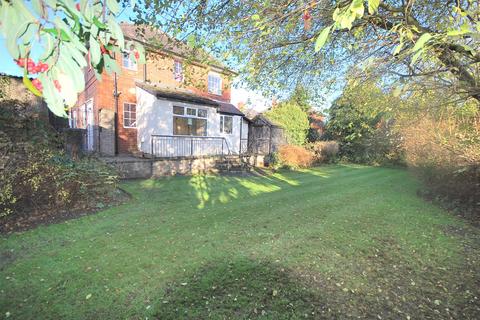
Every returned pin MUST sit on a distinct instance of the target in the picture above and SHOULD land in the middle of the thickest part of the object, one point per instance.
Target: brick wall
(159, 69)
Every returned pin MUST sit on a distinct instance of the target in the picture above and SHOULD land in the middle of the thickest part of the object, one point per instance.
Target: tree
(293, 119)
(278, 42)
(362, 120)
(301, 98)
(67, 37)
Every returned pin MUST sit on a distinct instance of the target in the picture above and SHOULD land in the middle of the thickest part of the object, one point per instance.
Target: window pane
(200, 127)
(178, 110)
(178, 71)
(191, 112)
(228, 124)
(221, 123)
(180, 126)
(129, 115)
(202, 113)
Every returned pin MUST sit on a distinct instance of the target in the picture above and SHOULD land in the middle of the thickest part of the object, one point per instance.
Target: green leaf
(63, 35)
(110, 64)
(28, 83)
(416, 56)
(424, 38)
(357, 8)
(255, 17)
(398, 49)
(95, 52)
(322, 38)
(99, 24)
(113, 6)
(373, 6)
(116, 32)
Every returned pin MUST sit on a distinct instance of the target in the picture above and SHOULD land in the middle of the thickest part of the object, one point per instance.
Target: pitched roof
(176, 94)
(183, 95)
(155, 38)
(228, 108)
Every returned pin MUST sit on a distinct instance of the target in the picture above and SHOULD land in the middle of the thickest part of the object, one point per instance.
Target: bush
(293, 119)
(294, 157)
(445, 154)
(324, 151)
(36, 177)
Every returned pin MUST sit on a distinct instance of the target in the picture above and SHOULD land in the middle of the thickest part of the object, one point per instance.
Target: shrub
(36, 177)
(295, 157)
(293, 119)
(445, 154)
(325, 151)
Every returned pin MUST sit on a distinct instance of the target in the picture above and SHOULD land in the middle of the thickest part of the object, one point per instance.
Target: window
(226, 124)
(214, 83)
(178, 110)
(188, 122)
(129, 115)
(191, 112)
(177, 71)
(128, 62)
(189, 126)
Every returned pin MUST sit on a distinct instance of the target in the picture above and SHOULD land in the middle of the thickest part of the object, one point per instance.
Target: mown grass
(331, 242)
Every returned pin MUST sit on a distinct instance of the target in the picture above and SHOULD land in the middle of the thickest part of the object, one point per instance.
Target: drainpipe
(240, 146)
(116, 94)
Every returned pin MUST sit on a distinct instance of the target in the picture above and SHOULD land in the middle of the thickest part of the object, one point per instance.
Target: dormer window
(214, 83)
(177, 71)
(128, 62)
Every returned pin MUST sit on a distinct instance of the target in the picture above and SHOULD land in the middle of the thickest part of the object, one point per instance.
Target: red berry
(137, 55)
(20, 62)
(77, 6)
(102, 49)
(37, 84)
(57, 85)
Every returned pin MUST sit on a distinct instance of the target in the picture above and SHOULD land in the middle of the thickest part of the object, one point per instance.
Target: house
(172, 106)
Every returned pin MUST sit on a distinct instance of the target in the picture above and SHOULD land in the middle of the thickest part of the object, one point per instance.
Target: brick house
(170, 106)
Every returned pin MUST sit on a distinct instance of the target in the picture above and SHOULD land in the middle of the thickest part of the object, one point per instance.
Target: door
(90, 125)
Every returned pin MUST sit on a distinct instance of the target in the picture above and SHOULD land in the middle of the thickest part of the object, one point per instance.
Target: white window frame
(124, 107)
(222, 124)
(177, 70)
(185, 115)
(215, 83)
(131, 65)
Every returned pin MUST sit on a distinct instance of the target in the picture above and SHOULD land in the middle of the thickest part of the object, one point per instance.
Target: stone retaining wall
(138, 168)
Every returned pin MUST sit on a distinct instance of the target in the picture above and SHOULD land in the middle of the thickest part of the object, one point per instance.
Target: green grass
(331, 242)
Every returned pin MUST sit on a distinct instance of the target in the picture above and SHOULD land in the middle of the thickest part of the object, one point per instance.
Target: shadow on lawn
(206, 189)
(243, 289)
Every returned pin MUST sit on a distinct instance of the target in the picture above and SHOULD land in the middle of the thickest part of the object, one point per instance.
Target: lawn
(330, 242)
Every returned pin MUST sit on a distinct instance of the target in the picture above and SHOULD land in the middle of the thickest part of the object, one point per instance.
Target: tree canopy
(281, 43)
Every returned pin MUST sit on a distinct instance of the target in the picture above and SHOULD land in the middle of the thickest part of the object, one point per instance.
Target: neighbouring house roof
(153, 37)
(183, 95)
(316, 121)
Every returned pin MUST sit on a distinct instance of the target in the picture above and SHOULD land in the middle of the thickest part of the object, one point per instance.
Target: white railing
(188, 146)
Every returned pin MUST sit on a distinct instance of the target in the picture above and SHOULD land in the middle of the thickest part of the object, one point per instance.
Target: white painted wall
(155, 117)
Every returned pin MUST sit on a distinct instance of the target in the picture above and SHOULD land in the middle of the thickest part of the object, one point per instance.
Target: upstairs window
(214, 83)
(129, 115)
(226, 124)
(128, 62)
(177, 71)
